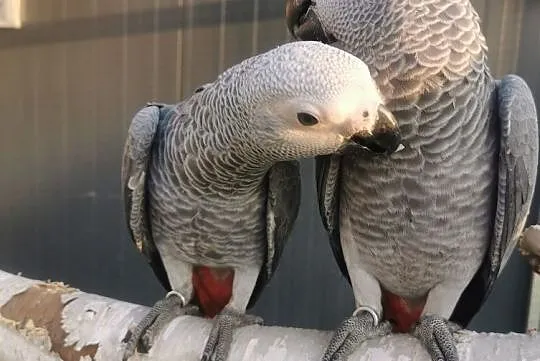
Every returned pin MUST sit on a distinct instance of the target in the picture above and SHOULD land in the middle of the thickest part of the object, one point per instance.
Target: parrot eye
(306, 119)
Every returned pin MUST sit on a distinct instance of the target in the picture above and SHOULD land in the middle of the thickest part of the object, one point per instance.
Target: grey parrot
(423, 234)
(212, 186)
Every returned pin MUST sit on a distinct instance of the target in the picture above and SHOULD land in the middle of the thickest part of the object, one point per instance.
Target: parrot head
(383, 32)
(306, 98)
(356, 26)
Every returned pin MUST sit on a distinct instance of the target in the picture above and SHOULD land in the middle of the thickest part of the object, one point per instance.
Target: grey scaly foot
(162, 312)
(436, 334)
(220, 339)
(362, 325)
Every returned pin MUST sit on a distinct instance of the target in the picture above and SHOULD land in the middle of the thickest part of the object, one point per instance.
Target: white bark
(49, 321)
(529, 246)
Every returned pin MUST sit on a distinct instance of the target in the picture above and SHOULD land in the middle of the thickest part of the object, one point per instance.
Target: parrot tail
(212, 288)
(401, 312)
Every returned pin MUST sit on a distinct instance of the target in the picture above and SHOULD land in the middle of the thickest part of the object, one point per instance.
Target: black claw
(223, 345)
(435, 352)
(142, 337)
(219, 341)
(132, 337)
(339, 337)
(127, 337)
(351, 333)
(436, 334)
(211, 342)
(147, 339)
(351, 342)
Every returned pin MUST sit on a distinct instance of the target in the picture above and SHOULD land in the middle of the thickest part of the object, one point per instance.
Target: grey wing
(135, 162)
(282, 205)
(518, 162)
(327, 173)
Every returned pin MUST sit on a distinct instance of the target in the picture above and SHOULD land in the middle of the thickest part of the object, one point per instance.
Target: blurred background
(73, 76)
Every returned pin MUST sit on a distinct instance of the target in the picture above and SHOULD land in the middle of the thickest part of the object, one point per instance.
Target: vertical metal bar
(124, 70)
(255, 33)
(222, 31)
(155, 51)
(179, 53)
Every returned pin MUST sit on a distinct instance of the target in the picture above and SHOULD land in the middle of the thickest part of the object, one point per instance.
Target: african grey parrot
(423, 234)
(212, 186)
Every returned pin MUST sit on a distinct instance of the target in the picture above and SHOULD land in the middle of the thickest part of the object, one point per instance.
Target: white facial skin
(329, 124)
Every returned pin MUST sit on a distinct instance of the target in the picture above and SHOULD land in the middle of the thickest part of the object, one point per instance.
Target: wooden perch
(49, 321)
(529, 246)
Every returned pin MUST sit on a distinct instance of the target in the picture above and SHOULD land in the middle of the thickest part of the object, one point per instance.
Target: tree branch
(529, 246)
(49, 321)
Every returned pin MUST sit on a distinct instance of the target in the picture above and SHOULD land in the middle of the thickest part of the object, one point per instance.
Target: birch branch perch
(49, 321)
(529, 246)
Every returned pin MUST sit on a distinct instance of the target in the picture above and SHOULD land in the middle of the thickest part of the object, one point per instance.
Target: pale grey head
(357, 25)
(304, 99)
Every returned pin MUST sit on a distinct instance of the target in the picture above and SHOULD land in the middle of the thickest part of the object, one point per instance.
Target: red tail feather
(403, 313)
(213, 288)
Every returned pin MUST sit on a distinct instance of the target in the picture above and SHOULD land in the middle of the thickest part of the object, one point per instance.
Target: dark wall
(71, 80)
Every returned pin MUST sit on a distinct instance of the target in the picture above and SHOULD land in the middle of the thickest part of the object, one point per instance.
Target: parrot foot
(220, 338)
(361, 326)
(436, 334)
(163, 312)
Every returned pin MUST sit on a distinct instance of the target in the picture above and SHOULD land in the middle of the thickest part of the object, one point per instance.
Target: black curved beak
(385, 138)
(303, 23)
